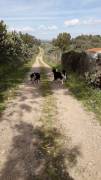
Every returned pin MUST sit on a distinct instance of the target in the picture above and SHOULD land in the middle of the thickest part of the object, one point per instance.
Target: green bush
(89, 96)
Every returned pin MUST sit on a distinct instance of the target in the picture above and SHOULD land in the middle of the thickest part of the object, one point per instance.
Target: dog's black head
(54, 70)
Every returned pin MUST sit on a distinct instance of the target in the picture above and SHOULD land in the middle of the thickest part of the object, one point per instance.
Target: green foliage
(86, 42)
(52, 55)
(3, 36)
(89, 96)
(13, 44)
(62, 41)
(82, 42)
(29, 40)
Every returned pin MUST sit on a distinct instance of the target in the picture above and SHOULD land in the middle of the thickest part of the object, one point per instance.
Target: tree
(15, 46)
(63, 40)
(3, 35)
(87, 41)
(29, 39)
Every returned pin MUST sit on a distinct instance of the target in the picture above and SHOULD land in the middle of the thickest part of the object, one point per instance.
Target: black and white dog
(35, 77)
(59, 75)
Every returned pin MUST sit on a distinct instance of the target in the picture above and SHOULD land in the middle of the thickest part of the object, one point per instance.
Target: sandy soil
(18, 156)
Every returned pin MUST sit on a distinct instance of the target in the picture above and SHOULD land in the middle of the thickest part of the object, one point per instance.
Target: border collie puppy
(35, 77)
(59, 75)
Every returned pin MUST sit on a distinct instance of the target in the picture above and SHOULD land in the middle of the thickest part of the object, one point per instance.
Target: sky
(45, 19)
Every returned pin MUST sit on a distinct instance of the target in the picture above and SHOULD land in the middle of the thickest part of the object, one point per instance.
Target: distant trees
(82, 42)
(86, 41)
(62, 41)
(30, 40)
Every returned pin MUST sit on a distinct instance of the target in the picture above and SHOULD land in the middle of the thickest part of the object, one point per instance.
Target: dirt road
(30, 130)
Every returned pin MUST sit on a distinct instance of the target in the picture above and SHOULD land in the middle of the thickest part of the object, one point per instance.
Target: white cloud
(40, 29)
(22, 29)
(47, 28)
(92, 21)
(52, 28)
(72, 22)
(75, 22)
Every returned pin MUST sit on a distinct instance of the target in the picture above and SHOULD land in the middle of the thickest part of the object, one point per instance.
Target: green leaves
(86, 42)
(62, 41)
(13, 44)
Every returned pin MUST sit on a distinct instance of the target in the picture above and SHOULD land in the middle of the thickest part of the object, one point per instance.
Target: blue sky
(46, 18)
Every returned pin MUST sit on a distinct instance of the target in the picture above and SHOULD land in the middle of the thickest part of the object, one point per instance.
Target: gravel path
(19, 159)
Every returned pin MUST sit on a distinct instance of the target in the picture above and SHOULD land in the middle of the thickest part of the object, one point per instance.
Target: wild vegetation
(52, 55)
(76, 64)
(65, 42)
(62, 41)
(91, 97)
(83, 42)
(16, 52)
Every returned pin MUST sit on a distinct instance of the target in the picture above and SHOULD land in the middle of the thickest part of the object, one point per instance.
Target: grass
(49, 102)
(52, 141)
(90, 97)
(10, 79)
